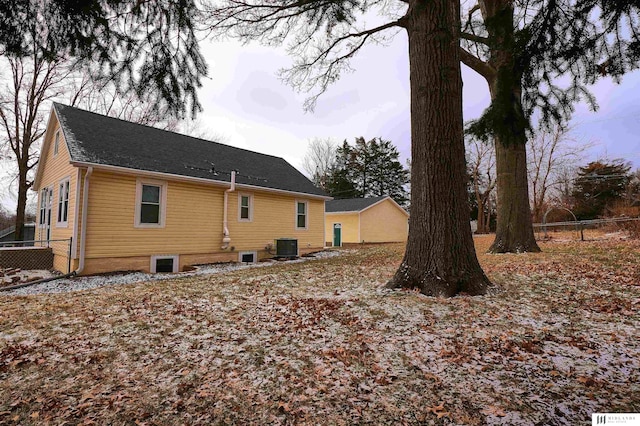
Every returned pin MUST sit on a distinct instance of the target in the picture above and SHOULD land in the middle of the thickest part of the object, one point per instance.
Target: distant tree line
(366, 169)
(602, 188)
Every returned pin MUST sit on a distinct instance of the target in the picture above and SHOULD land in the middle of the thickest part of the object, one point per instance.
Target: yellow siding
(274, 216)
(193, 225)
(109, 264)
(193, 219)
(384, 222)
(55, 168)
(350, 227)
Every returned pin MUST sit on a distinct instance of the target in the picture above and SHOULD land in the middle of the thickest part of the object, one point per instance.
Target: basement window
(164, 264)
(248, 257)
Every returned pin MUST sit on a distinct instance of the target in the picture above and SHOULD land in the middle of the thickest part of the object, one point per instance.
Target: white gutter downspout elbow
(83, 231)
(226, 239)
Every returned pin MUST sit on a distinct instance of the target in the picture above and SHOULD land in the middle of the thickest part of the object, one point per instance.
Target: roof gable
(100, 140)
(47, 140)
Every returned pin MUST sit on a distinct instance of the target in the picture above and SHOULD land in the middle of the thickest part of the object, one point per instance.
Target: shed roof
(97, 139)
(351, 204)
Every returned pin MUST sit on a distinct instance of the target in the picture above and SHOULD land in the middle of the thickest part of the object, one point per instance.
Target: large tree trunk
(440, 258)
(483, 226)
(22, 201)
(514, 230)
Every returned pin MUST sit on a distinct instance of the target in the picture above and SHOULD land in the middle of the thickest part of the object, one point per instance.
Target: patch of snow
(90, 282)
(24, 276)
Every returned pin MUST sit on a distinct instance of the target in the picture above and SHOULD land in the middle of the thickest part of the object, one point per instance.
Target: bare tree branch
(479, 66)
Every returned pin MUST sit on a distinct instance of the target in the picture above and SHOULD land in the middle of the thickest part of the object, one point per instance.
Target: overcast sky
(246, 103)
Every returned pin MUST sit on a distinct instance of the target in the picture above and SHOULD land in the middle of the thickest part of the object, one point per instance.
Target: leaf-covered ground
(321, 343)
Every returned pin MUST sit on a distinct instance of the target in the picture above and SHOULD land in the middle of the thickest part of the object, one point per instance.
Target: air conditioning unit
(286, 247)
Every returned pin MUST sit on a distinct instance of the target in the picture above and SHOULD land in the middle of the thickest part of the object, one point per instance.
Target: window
(43, 207)
(247, 256)
(164, 264)
(150, 204)
(301, 214)
(63, 202)
(245, 208)
(56, 143)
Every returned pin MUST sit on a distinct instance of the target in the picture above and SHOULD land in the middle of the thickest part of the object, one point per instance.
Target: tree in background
(481, 163)
(103, 97)
(6, 218)
(141, 48)
(539, 56)
(31, 83)
(319, 161)
(551, 154)
(562, 195)
(632, 196)
(598, 186)
(369, 169)
(27, 90)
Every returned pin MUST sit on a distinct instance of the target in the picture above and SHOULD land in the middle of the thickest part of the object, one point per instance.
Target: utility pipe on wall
(226, 239)
(83, 231)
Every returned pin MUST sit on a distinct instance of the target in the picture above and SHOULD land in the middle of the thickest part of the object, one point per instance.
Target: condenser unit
(286, 247)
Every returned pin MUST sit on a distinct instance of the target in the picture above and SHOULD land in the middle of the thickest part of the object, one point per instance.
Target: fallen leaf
(492, 410)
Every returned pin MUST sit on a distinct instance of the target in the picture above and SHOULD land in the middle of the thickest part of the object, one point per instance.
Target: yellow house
(133, 197)
(365, 220)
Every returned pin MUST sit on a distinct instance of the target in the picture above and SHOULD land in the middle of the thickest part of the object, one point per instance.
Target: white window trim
(42, 208)
(56, 143)
(163, 203)
(240, 195)
(254, 253)
(306, 215)
(176, 262)
(60, 223)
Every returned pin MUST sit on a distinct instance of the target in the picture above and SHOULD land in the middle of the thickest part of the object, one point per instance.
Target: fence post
(581, 232)
(69, 255)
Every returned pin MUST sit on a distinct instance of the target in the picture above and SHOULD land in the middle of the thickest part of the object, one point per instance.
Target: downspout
(226, 239)
(83, 231)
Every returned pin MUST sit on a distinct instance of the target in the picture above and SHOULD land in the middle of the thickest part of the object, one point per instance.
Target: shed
(365, 220)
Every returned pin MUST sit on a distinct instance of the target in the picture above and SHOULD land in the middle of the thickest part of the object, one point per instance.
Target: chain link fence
(587, 230)
(36, 255)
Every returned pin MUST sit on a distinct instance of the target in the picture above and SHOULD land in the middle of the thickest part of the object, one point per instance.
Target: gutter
(182, 178)
(83, 231)
(226, 239)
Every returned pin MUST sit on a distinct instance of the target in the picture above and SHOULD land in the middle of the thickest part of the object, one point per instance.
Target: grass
(322, 343)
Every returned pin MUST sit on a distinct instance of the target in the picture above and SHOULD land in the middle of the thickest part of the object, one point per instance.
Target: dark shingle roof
(350, 204)
(98, 139)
